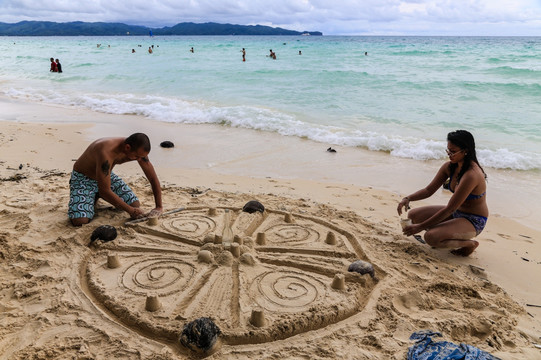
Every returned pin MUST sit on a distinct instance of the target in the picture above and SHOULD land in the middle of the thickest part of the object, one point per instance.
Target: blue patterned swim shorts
(83, 192)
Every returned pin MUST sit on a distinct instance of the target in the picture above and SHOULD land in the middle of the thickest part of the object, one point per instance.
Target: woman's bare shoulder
(446, 167)
(475, 173)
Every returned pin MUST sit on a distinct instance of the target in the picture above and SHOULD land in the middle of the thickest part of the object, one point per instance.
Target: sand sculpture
(283, 274)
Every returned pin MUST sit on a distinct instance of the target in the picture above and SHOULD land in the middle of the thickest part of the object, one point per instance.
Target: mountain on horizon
(80, 28)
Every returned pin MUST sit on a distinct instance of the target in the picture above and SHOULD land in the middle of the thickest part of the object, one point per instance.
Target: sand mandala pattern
(277, 279)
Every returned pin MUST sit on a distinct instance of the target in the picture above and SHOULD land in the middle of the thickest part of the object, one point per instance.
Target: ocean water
(402, 98)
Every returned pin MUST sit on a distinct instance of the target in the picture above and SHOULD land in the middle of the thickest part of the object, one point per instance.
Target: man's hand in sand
(136, 213)
(155, 212)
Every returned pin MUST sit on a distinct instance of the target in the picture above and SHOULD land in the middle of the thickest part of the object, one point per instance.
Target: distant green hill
(78, 28)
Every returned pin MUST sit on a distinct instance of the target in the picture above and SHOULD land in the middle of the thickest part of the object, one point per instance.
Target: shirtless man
(92, 178)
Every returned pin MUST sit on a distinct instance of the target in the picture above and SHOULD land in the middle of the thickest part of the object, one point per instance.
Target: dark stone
(331, 150)
(200, 334)
(361, 267)
(252, 206)
(104, 233)
(167, 144)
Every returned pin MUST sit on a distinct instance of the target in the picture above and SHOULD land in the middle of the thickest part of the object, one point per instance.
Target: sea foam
(176, 110)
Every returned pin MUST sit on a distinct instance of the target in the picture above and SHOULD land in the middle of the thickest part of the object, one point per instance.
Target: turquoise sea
(402, 97)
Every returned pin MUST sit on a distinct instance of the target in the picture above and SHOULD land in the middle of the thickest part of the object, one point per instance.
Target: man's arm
(150, 173)
(103, 176)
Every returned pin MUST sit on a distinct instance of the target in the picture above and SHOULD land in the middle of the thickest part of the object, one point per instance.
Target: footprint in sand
(412, 300)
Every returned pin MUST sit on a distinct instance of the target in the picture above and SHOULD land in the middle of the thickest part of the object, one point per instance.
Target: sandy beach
(59, 299)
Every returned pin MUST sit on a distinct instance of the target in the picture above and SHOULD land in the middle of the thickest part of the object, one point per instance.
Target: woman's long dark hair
(464, 140)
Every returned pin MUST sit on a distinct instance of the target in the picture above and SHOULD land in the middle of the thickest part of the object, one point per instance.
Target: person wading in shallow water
(58, 66)
(453, 225)
(93, 178)
(53, 66)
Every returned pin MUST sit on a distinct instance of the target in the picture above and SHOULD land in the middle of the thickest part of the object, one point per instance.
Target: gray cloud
(435, 17)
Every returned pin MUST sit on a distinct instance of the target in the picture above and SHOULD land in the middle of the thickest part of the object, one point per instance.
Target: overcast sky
(332, 17)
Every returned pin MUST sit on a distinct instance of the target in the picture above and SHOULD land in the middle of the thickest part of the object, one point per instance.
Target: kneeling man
(92, 178)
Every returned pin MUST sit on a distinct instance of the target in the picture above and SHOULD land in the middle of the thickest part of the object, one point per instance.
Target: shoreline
(260, 154)
(51, 137)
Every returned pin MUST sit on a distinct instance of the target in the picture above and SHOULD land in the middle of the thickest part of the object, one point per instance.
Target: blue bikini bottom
(479, 222)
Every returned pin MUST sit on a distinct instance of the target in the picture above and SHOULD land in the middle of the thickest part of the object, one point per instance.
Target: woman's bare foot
(467, 250)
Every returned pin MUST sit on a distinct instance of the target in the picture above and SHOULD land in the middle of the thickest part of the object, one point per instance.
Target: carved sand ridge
(287, 290)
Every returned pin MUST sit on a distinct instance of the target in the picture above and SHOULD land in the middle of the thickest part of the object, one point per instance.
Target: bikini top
(471, 196)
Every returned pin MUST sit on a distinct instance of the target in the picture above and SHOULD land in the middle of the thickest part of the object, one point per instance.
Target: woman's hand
(404, 203)
(412, 229)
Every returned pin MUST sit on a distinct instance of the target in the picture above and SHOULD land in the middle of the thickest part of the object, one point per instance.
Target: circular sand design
(192, 226)
(286, 290)
(162, 276)
(287, 285)
(293, 234)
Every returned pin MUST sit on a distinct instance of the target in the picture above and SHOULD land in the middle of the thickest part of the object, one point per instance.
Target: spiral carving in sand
(192, 226)
(163, 276)
(287, 281)
(292, 234)
(286, 290)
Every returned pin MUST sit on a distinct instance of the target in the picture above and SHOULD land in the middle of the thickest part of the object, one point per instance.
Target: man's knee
(135, 204)
(79, 221)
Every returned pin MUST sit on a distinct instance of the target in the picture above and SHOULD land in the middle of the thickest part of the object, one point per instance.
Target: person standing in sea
(454, 225)
(53, 66)
(58, 66)
(243, 54)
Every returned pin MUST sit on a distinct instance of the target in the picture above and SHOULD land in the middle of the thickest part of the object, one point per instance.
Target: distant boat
(305, 34)
(150, 33)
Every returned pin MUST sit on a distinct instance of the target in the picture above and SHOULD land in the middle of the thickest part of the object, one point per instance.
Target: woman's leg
(422, 213)
(453, 234)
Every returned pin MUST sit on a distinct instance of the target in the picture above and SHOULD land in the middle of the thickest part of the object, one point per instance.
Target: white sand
(59, 300)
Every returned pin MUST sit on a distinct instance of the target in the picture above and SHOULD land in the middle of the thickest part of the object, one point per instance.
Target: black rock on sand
(362, 267)
(104, 233)
(252, 206)
(200, 334)
(167, 144)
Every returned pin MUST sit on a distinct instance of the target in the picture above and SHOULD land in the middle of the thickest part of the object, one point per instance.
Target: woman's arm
(468, 182)
(428, 191)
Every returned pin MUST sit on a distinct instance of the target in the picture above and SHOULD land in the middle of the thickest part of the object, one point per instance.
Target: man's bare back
(96, 163)
(102, 155)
